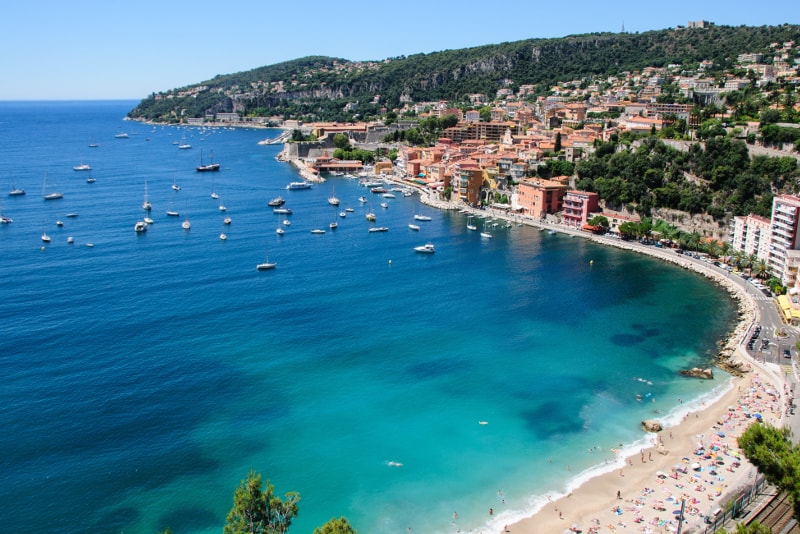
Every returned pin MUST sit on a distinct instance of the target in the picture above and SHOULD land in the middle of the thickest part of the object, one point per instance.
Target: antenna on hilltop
(623, 26)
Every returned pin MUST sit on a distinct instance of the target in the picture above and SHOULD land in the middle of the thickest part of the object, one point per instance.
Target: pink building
(577, 207)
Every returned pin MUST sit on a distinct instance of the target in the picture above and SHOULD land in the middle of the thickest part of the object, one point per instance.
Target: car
(787, 353)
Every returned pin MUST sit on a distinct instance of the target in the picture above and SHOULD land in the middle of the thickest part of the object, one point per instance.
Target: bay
(146, 375)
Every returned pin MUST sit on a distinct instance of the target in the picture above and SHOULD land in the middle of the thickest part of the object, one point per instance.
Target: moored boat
(427, 248)
(298, 185)
(275, 202)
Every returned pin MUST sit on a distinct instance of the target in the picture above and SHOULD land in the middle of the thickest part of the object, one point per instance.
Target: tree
(599, 220)
(557, 144)
(257, 511)
(771, 451)
(341, 140)
(336, 526)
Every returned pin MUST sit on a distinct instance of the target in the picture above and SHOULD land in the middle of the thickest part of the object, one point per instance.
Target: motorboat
(317, 231)
(379, 229)
(70, 240)
(384, 205)
(298, 185)
(427, 248)
(333, 225)
(172, 213)
(148, 220)
(284, 211)
(388, 195)
(226, 220)
(59, 222)
(140, 227)
(186, 225)
(349, 210)
(71, 215)
(421, 218)
(362, 198)
(276, 202)
(287, 222)
(121, 135)
(279, 231)
(487, 235)
(5, 220)
(223, 236)
(82, 167)
(378, 190)
(342, 214)
(91, 180)
(414, 227)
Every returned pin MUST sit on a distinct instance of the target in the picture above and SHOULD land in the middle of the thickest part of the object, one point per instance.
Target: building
(577, 207)
(470, 181)
(784, 237)
(752, 235)
(538, 198)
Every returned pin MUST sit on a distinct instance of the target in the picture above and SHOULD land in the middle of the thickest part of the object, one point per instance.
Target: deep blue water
(143, 377)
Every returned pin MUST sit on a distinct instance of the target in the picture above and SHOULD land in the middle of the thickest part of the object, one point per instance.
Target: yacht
(266, 265)
(16, 192)
(298, 185)
(379, 229)
(121, 135)
(276, 202)
(426, 249)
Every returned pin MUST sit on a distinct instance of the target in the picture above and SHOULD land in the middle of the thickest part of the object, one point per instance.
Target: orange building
(538, 197)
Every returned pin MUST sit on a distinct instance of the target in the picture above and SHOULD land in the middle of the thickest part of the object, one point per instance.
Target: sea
(145, 375)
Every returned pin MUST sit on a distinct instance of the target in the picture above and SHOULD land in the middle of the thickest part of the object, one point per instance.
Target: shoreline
(645, 491)
(593, 506)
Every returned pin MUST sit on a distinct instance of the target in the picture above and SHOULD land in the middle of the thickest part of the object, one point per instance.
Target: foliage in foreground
(771, 451)
(257, 511)
(260, 511)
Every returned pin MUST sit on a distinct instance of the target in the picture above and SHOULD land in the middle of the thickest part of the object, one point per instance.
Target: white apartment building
(752, 235)
(785, 238)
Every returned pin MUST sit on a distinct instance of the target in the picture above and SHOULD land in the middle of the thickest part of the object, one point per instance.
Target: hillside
(319, 88)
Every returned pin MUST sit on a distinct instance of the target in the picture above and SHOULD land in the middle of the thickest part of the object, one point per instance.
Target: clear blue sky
(106, 49)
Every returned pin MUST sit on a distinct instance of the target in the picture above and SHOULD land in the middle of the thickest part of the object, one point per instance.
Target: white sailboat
(183, 145)
(15, 191)
(146, 203)
(186, 225)
(175, 187)
(333, 200)
(49, 196)
(266, 265)
(470, 226)
(214, 194)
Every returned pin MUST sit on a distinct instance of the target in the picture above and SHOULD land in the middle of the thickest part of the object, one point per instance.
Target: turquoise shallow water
(146, 375)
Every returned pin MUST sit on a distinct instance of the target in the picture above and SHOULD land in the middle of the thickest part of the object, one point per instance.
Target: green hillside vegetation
(319, 88)
(718, 179)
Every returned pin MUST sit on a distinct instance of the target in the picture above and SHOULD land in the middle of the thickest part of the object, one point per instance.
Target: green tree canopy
(336, 526)
(771, 451)
(257, 511)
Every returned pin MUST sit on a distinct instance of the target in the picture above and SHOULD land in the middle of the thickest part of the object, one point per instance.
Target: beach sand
(699, 463)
